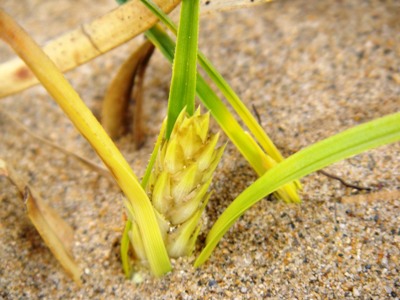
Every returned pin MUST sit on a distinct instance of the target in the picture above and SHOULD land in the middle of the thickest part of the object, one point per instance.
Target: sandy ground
(311, 69)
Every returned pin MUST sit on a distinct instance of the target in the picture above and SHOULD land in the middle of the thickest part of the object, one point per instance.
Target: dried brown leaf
(85, 43)
(98, 37)
(55, 232)
(138, 127)
(115, 110)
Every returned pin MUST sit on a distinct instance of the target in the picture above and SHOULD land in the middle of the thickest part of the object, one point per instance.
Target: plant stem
(183, 84)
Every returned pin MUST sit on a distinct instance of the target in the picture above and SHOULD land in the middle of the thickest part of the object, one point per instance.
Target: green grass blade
(348, 143)
(245, 144)
(221, 114)
(128, 225)
(248, 119)
(126, 266)
(183, 84)
(161, 15)
(241, 109)
(250, 150)
(153, 157)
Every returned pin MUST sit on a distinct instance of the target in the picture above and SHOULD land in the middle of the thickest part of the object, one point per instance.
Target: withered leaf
(115, 112)
(55, 232)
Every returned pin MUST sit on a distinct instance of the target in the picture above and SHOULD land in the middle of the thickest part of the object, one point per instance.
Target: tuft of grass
(249, 148)
(187, 157)
(233, 99)
(149, 229)
(281, 172)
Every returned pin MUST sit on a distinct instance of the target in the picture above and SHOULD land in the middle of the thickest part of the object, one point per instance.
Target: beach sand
(310, 69)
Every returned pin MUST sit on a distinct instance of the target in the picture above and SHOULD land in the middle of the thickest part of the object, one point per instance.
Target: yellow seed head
(181, 177)
(178, 185)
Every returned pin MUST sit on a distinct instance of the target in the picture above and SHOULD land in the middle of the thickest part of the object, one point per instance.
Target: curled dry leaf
(101, 35)
(115, 116)
(85, 43)
(55, 232)
(138, 126)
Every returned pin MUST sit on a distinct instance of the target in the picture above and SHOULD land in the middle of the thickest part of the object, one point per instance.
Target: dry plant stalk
(85, 43)
(55, 232)
(138, 123)
(115, 109)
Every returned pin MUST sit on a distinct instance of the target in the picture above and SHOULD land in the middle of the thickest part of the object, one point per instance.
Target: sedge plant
(260, 158)
(185, 161)
(276, 174)
(164, 210)
(187, 158)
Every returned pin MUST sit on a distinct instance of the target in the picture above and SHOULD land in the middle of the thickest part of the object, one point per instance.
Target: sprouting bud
(181, 176)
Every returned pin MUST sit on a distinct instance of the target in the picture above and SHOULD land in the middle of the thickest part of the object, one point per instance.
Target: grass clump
(164, 210)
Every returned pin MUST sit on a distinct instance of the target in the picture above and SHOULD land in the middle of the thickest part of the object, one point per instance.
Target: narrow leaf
(83, 119)
(335, 148)
(125, 242)
(124, 250)
(153, 156)
(223, 85)
(183, 84)
(244, 143)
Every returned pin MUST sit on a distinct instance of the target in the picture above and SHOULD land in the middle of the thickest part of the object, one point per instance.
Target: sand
(311, 69)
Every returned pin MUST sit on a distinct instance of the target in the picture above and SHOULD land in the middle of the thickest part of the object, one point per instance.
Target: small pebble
(212, 283)
(356, 292)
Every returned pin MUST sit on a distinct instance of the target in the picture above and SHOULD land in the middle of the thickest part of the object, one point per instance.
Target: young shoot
(182, 172)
